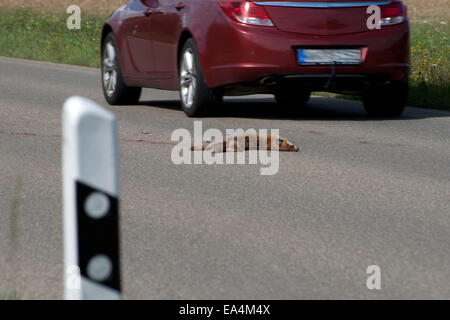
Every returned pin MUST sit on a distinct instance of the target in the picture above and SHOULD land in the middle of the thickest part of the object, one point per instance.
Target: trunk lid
(319, 17)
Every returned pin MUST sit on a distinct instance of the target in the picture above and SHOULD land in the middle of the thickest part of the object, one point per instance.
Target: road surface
(361, 192)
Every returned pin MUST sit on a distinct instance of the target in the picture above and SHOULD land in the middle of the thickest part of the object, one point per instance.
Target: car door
(138, 32)
(166, 25)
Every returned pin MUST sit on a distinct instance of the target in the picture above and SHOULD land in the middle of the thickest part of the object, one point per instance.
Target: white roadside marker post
(91, 190)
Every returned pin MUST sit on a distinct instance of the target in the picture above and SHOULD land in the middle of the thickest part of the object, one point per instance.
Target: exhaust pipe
(268, 81)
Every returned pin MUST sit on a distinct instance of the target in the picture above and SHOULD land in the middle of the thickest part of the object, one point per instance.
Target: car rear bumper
(344, 83)
(248, 54)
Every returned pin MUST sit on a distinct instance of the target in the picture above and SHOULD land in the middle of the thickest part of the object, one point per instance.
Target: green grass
(42, 36)
(430, 65)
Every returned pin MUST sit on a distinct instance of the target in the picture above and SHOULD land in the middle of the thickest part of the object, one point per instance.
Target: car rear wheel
(115, 90)
(196, 98)
(292, 96)
(386, 101)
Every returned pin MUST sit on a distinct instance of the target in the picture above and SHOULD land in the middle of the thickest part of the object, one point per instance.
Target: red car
(210, 48)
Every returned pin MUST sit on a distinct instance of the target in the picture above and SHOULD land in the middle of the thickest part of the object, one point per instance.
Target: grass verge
(43, 36)
(430, 64)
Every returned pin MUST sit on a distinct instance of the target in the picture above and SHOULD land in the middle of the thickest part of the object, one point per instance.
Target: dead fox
(247, 142)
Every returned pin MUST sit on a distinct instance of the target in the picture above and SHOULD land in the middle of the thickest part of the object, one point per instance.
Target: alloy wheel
(109, 69)
(188, 78)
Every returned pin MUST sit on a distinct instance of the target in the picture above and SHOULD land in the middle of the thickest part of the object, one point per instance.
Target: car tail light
(393, 13)
(246, 12)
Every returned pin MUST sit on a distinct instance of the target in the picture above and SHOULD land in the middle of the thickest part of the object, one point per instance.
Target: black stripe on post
(98, 236)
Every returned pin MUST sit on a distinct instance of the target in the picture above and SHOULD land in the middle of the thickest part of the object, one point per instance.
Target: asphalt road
(361, 192)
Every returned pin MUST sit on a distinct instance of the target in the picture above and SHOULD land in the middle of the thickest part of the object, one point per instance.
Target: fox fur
(248, 142)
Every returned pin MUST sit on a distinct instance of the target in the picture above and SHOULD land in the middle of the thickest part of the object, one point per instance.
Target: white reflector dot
(99, 268)
(96, 205)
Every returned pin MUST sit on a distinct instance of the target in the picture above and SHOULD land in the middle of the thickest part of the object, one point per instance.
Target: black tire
(292, 96)
(120, 93)
(386, 100)
(203, 99)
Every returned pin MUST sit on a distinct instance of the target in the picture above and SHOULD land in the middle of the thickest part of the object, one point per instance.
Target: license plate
(329, 56)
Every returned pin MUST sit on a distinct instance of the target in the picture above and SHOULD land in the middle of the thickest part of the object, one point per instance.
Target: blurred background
(419, 9)
(101, 7)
